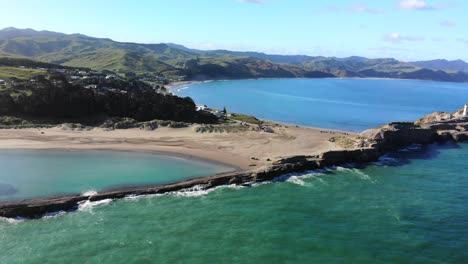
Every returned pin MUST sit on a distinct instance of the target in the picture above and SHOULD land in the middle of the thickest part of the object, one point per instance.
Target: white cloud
(414, 5)
(252, 1)
(396, 37)
(422, 5)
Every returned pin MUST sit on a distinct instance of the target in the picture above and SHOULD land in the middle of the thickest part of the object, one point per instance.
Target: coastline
(186, 83)
(174, 85)
(375, 143)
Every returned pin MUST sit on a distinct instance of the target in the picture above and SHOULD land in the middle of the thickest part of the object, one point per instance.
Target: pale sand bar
(236, 148)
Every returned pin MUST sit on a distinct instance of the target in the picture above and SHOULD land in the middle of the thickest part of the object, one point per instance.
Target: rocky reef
(368, 147)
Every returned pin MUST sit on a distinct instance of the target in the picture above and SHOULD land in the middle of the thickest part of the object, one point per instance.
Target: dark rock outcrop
(397, 135)
(337, 157)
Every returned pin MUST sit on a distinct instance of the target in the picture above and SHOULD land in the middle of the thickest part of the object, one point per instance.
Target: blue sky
(403, 29)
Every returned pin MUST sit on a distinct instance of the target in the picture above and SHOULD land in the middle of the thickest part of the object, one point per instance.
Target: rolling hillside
(78, 50)
(444, 65)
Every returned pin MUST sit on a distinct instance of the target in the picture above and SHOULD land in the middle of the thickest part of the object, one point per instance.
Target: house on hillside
(112, 76)
(91, 86)
(201, 107)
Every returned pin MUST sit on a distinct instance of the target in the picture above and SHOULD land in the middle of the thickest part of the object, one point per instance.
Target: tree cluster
(54, 97)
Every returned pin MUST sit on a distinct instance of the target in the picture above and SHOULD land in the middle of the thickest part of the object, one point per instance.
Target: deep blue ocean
(345, 104)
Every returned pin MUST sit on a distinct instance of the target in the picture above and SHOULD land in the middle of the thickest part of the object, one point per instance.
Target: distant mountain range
(77, 50)
(444, 65)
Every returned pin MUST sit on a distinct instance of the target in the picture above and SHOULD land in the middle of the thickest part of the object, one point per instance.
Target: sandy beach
(245, 150)
(173, 85)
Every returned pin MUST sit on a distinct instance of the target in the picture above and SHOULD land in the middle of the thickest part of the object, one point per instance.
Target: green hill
(445, 65)
(76, 50)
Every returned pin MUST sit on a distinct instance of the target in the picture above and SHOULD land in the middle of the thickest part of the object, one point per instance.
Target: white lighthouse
(465, 110)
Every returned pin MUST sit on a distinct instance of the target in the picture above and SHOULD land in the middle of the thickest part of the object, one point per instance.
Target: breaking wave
(87, 205)
(16, 220)
(89, 193)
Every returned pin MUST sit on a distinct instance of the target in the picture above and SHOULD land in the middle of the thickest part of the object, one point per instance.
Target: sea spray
(87, 206)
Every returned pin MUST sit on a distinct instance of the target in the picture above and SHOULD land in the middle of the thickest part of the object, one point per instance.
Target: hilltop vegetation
(53, 96)
(78, 50)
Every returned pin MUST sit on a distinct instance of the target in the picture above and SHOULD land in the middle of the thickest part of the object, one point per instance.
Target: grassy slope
(382, 65)
(12, 72)
(99, 54)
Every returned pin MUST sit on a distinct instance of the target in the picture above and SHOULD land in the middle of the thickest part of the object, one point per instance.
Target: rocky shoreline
(372, 144)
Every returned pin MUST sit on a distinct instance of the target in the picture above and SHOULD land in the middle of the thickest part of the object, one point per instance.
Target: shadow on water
(407, 155)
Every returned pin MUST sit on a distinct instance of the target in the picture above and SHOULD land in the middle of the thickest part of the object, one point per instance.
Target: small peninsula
(261, 154)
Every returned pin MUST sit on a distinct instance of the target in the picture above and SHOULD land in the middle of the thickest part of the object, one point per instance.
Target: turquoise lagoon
(43, 173)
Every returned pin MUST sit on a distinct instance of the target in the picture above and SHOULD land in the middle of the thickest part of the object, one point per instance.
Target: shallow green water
(411, 208)
(35, 173)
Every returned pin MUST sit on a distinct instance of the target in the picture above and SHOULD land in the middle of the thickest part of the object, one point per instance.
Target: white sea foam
(299, 180)
(358, 172)
(88, 205)
(200, 190)
(54, 214)
(363, 175)
(89, 193)
(195, 191)
(138, 197)
(16, 220)
(295, 178)
(340, 168)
